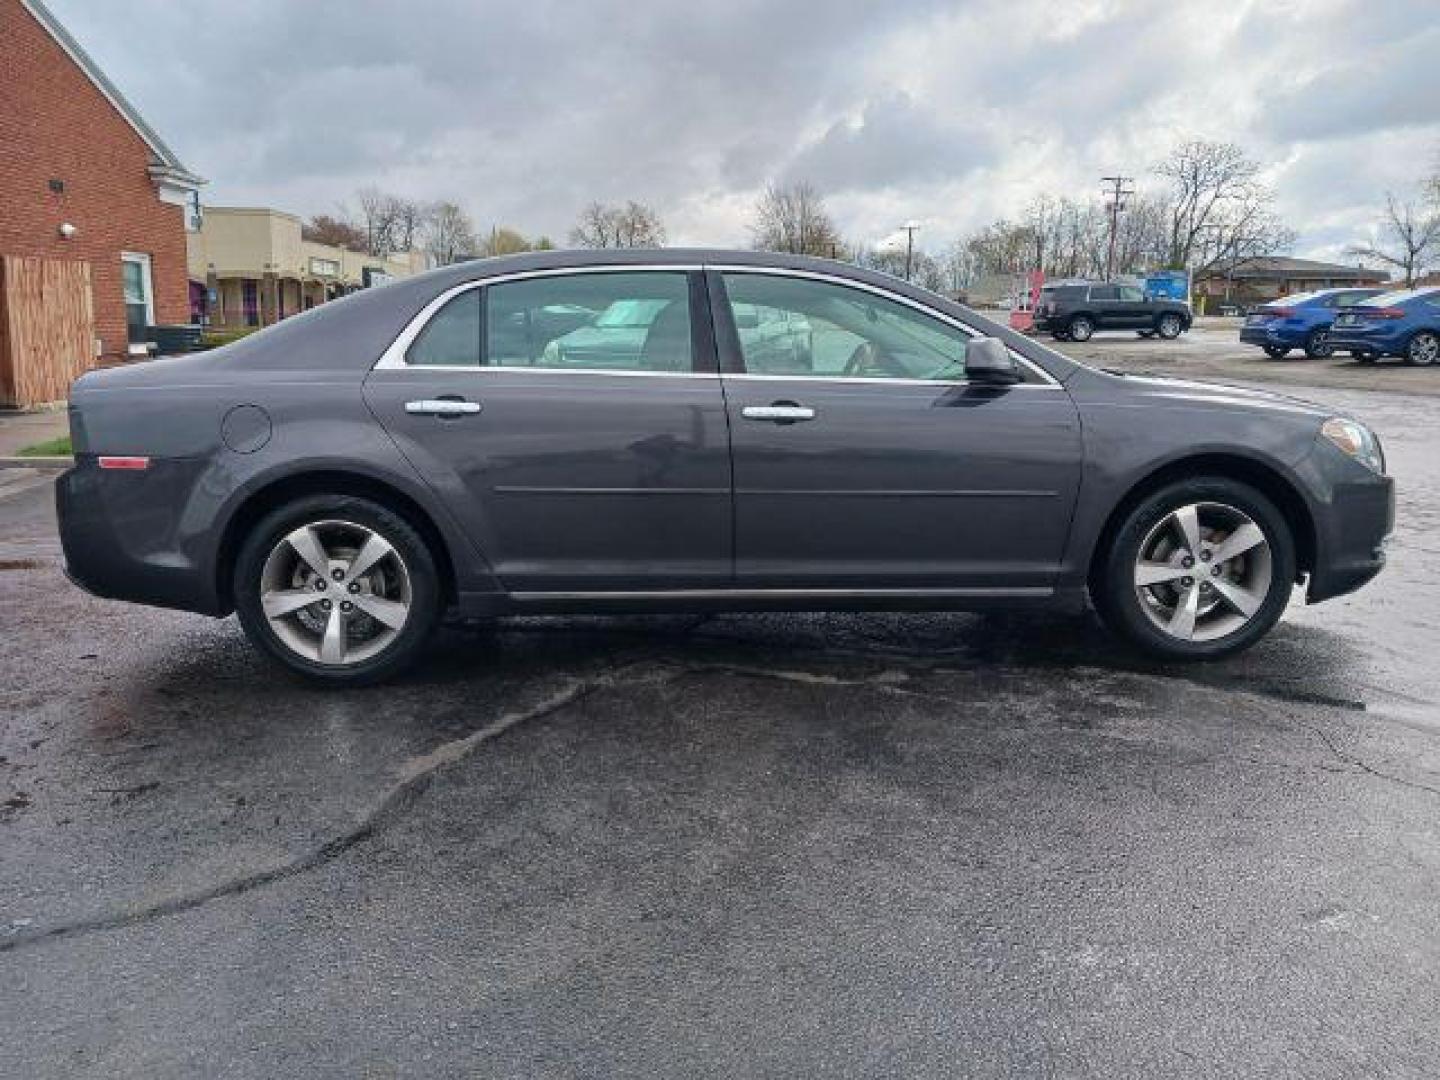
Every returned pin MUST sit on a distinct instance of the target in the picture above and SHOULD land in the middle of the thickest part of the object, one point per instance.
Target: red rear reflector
(1281, 312)
(124, 462)
(1386, 313)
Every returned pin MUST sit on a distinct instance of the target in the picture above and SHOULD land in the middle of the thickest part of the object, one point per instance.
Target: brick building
(84, 182)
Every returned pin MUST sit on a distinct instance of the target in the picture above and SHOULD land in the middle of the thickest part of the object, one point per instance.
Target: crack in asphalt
(1365, 766)
(414, 775)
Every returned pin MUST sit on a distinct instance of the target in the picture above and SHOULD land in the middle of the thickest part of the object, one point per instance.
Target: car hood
(1164, 390)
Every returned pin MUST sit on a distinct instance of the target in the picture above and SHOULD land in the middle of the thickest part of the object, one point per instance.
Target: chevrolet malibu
(345, 478)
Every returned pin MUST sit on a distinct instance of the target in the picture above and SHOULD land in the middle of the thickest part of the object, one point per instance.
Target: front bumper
(1352, 526)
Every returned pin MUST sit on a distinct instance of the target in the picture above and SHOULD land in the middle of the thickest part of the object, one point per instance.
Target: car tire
(1276, 352)
(356, 632)
(1149, 543)
(1060, 335)
(1169, 326)
(1081, 328)
(1317, 346)
(1363, 357)
(1423, 349)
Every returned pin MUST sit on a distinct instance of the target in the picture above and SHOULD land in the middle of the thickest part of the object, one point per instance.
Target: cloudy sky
(948, 113)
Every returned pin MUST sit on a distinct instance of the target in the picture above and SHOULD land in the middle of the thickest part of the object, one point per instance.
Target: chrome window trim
(393, 358)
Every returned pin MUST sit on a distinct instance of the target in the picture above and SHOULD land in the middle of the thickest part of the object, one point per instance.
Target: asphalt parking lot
(930, 845)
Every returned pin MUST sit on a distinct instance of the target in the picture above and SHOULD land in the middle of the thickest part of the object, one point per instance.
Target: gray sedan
(343, 479)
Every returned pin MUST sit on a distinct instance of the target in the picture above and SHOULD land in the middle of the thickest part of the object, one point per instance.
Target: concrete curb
(36, 462)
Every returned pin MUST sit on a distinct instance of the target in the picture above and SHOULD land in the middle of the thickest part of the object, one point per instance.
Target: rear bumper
(125, 538)
(1264, 335)
(1380, 344)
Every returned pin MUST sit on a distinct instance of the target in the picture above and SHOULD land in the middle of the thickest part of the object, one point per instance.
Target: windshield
(631, 313)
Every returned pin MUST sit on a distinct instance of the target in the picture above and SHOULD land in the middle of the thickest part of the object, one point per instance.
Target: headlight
(1356, 441)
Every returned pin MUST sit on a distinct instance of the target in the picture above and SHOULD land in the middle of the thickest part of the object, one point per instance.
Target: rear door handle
(442, 407)
(782, 412)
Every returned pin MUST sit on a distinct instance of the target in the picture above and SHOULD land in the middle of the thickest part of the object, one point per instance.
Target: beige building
(250, 267)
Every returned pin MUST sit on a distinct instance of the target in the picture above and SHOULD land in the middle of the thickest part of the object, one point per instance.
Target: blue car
(1404, 324)
(1300, 321)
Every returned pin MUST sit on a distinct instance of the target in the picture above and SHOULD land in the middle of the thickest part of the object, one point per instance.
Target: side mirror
(988, 361)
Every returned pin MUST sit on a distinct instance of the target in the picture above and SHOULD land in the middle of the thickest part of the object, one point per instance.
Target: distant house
(252, 267)
(93, 211)
(1266, 277)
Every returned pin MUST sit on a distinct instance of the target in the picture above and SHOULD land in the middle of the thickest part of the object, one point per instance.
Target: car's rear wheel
(1169, 325)
(339, 589)
(1275, 352)
(1197, 570)
(1081, 328)
(1423, 349)
(1317, 345)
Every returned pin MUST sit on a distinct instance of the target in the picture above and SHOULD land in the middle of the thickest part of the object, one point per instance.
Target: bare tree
(449, 234)
(792, 218)
(633, 225)
(336, 231)
(1408, 236)
(409, 217)
(1214, 188)
(391, 223)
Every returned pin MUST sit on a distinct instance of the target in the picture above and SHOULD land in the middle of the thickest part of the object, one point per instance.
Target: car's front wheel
(1423, 349)
(1081, 328)
(339, 589)
(1197, 570)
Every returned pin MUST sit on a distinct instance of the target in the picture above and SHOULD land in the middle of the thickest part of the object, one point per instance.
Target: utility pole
(910, 228)
(1116, 191)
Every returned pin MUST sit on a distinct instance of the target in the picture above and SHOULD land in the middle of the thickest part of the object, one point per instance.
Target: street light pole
(910, 227)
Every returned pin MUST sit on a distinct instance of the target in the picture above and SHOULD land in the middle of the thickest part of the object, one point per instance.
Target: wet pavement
(744, 845)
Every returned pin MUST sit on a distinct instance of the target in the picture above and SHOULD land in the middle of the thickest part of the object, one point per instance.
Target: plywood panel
(47, 328)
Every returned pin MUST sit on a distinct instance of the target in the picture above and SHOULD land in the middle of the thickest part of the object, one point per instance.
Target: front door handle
(782, 412)
(442, 407)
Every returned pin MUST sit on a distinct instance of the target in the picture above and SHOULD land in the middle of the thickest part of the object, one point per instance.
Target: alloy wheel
(1424, 349)
(1080, 329)
(1320, 347)
(1203, 571)
(335, 592)
(1170, 326)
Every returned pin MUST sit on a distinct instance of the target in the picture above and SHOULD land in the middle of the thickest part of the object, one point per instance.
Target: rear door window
(636, 321)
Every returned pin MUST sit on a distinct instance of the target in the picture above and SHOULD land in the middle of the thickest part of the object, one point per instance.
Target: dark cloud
(948, 112)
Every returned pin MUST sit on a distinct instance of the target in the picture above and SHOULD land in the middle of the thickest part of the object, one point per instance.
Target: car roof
(1401, 296)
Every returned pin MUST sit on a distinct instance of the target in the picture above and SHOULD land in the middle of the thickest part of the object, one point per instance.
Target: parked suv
(1071, 311)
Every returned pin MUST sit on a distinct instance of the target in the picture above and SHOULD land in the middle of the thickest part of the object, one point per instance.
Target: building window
(250, 302)
(139, 294)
